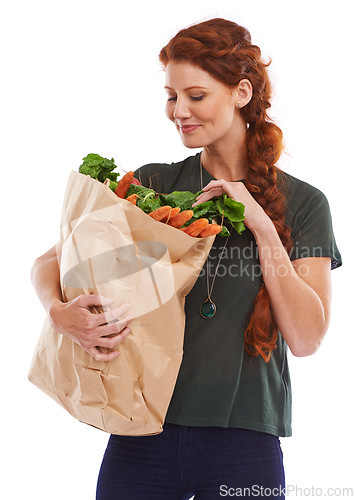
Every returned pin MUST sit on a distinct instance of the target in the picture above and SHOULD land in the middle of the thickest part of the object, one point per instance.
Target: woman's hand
(75, 320)
(255, 217)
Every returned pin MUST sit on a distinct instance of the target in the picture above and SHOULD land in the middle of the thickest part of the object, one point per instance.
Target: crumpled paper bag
(111, 247)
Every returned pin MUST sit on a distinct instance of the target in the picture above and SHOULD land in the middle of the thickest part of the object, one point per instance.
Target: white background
(80, 77)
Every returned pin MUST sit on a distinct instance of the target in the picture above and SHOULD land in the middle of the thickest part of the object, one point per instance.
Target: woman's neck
(228, 158)
(230, 165)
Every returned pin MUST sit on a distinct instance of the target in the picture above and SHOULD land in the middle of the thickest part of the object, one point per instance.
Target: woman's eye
(193, 98)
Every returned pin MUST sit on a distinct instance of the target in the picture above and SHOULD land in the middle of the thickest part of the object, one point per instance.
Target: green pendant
(208, 309)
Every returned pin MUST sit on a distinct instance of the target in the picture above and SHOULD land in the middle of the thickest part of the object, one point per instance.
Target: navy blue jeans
(208, 462)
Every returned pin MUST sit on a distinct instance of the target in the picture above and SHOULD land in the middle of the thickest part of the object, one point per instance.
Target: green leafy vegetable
(100, 168)
(182, 199)
(206, 209)
(233, 210)
(113, 185)
(225, 231)
(219, 207)
(146, 198)
(238, 226)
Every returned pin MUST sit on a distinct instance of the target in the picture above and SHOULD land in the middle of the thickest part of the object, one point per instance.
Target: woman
(260, 292)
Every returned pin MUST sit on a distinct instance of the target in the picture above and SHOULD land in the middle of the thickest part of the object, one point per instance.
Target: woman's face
(203, 109)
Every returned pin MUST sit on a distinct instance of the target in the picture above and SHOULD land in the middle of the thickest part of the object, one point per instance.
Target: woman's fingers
(108, 343)
(208, 195)
(110, 315)
(212, 189)
(218, 183)
(114, 341)
(100, 356)
(93, 300)
(234, 189)
(80, 320)
(112, 328)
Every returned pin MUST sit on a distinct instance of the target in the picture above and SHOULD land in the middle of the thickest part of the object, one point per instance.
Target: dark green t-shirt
(218, 383)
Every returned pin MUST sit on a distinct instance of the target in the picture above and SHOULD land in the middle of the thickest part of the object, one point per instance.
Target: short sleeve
(311, 226)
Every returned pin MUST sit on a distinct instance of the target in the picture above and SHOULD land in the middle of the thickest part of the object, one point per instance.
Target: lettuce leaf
(182, 199)
(206, 209)
(113, 185)
(141, 191)
(229, 208)
(99, 168)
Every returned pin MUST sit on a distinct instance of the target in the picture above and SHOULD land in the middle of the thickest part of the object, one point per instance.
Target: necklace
(208, 308)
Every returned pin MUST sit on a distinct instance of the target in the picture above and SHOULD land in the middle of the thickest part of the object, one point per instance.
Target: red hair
(224, 50)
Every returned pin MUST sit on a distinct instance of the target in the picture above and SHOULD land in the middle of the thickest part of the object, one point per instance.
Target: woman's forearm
(300, 300)
(45, 278)
(298, 310)
(75, 319)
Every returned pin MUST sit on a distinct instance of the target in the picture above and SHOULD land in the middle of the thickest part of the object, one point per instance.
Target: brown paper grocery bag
(111, 247)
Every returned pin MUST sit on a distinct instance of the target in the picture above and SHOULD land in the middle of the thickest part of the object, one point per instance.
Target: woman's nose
(181, 109)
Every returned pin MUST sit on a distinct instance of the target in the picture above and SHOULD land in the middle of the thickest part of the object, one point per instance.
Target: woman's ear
(243, 93)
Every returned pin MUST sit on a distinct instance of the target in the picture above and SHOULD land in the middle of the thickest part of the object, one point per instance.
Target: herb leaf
(182, 199)
(224, 232)
(113, 185)
(146, 198)
(206, 209)
(99, 168)
(238, 226)
(233, 210)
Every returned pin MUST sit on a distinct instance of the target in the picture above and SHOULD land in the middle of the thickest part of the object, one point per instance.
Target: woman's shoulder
(296, 187)
(302, 198)
(308, 215)
(306, 205)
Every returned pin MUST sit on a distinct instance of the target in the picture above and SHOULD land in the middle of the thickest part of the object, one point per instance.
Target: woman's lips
(185, 129)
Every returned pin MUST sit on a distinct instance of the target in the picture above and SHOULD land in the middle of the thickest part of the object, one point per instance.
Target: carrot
(132, 198)
(210, 230)
(197, 231)
(123, 184)
(180, 219)
(161, 212)
(196, 227)
(173, 213)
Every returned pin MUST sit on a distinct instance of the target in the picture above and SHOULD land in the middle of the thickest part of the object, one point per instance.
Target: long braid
(264, 144)
(224, 50)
